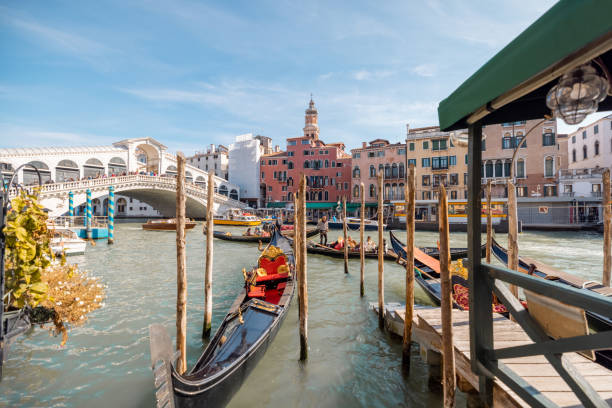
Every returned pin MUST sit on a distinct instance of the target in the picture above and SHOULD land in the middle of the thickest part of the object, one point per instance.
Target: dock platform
(536, 370)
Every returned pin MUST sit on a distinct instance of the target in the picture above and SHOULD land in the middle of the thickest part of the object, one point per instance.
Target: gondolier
(323, 227)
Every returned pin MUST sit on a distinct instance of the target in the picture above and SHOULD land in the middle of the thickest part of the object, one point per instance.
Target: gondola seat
(272, 277)
(271, 265)
(257, 292)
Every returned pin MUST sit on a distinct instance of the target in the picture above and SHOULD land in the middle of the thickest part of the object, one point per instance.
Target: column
(111, 215)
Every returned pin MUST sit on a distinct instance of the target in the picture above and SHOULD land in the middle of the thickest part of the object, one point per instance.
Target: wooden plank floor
(535, 369)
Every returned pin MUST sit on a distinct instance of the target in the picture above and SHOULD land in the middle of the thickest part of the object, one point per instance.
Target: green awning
(321, 206)
(355, 206)
(568, 30)
(275, 204)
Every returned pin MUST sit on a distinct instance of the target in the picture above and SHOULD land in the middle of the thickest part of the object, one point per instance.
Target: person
(370, 246)
(339, 244)
(351, 243)
(323, 227)
(248, 232)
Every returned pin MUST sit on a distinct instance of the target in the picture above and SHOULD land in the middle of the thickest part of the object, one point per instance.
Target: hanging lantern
(577, 94)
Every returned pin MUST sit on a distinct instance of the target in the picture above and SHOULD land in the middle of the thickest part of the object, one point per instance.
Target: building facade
(244, 157)
(326, 165)
(215, 158)
(590, 147)
(537, 163)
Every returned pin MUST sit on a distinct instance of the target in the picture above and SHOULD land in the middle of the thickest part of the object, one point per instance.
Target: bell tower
(311, 128)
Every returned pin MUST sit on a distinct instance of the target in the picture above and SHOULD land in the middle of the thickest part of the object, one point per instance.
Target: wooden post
(210, 214)
(381, 255)
(345, 234)
(512, 233)
(181, 267)
(302, 278)
(362, 242)
(607, 217)
(446, 304)
(489, 223)
(410, 196)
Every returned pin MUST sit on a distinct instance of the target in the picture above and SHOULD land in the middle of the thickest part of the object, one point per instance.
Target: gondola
(227, 236)
(455, 253)
(242, 339)
(594, 320)
(314, 248)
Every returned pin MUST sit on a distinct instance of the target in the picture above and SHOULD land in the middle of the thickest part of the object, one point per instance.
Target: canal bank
(352, 363)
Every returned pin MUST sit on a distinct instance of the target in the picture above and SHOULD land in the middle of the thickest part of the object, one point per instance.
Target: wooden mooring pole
(513, 249)
(210, 213)
(410, 196)
(446, 304)
(344, 228)
(607, 218)
(381, 255)
(489, 223)
(302, 278)
(181, 265)
(362, 242)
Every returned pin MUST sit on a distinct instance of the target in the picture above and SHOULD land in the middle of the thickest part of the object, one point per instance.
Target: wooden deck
(536, 370)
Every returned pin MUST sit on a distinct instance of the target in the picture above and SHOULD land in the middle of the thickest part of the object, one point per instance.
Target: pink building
(326, 165)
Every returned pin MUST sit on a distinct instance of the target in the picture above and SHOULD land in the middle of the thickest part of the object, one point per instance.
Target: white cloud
(365, 75)
(425, 70)
(21, 136)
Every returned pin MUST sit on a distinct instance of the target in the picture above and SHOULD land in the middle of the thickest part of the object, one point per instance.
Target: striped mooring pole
(71, 207)
(111, 215)
(88, 221)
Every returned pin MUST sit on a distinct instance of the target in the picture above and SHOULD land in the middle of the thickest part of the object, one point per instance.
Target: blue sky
(193, 73)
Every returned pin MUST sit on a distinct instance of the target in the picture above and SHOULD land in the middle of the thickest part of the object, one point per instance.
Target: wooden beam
(489, 223)
(181, 266)
(381, 255)
(362, 242)
(210, 213)
(446, 303)
(607, 219)
(513, 249)
(345, 232)
(300, 234)
(409, 195)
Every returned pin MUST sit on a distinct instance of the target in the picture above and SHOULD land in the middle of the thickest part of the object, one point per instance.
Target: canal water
(351, 362)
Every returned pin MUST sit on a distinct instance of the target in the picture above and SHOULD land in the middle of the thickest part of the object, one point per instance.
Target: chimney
(364, 145)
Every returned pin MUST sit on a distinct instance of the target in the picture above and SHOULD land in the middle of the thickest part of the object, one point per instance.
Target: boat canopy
(513, 84)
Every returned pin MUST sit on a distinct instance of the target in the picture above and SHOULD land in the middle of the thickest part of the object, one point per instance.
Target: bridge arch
(233, 194)
(223, 190)
(201, 181)
(93, 168)
(188, 177)
(67, 170)
(171, 170)
(30, 176)
(147, 158)
(116, 166)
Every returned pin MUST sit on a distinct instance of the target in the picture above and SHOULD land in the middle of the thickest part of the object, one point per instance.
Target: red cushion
(281, 286)
(257, 291)
(276, 276)
(272, 266)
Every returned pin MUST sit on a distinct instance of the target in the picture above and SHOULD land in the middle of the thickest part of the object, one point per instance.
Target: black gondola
(242, 339)
(594, 320)
(313, 248)
(455, 253)
(227, 236)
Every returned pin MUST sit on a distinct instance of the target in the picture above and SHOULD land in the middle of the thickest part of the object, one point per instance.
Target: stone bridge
(157, 191)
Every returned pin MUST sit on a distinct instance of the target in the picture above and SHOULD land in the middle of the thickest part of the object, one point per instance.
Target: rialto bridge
(137, 168)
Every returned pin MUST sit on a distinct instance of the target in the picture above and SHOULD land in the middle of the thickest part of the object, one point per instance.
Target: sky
(192, 73)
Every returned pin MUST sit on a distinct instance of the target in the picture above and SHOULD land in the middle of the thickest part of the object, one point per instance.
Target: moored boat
(228, 236)
(236, 216)
(240, 342)
(166, 225)
(66, 241)
(355, 223)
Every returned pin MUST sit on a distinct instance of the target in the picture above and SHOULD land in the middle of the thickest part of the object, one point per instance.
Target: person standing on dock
(323, 227)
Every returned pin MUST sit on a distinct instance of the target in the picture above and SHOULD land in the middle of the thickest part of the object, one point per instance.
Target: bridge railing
(97, 221)
(169, 182)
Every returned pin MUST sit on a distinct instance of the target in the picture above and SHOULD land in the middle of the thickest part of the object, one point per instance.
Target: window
(596, 129)
(584, 152)
(326, 163)
(498, 168)
(387, 171)
(291, 143)
(412, 161)
(466, 159)
(394, 171)
(333, 164)
(412, 146)
(425, 145)
(371, 154)
(306, 153)
(438, 163)
(380, 153)
(356, 155)
(306, 164)
(452, 160)
(346, 186)
(484, 145)
(270, 188)
(435, 145)
(517, 142)
(356, 191)
(454, 180)
(426, 195)
(548, 167)
(401, 151)
(263, 175)
(453, 195)
(548, 139)
(574, 139)
(507, 143)
(401, 169)
(550, 191)
(372, 190)
(507, 168)
(596, 148)
(326, 196)
(596, 188)
(425, 162)
(290, 154)
(520, 168)
(574, 155)
(338, 174)
(426, 180)
(290, 165)
(305, 141)
(356, 172)
(465, 178)
(381, 168)
(521, 191)
(372, 171)
(443, 144)
(584, 134)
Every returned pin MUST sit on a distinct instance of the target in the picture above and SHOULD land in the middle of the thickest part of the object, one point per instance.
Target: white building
(215, 158)
(590, 146)
(244, 155)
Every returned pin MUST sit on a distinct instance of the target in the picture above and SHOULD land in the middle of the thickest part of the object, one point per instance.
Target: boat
(66, 241)
(595, 321)
(168, 224)
(455, 253)
(314, 248)
(235, 216)
(240, 342)
(355, 223)
(228, 236)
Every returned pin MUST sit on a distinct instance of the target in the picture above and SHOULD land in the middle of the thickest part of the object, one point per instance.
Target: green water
(351, 363)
